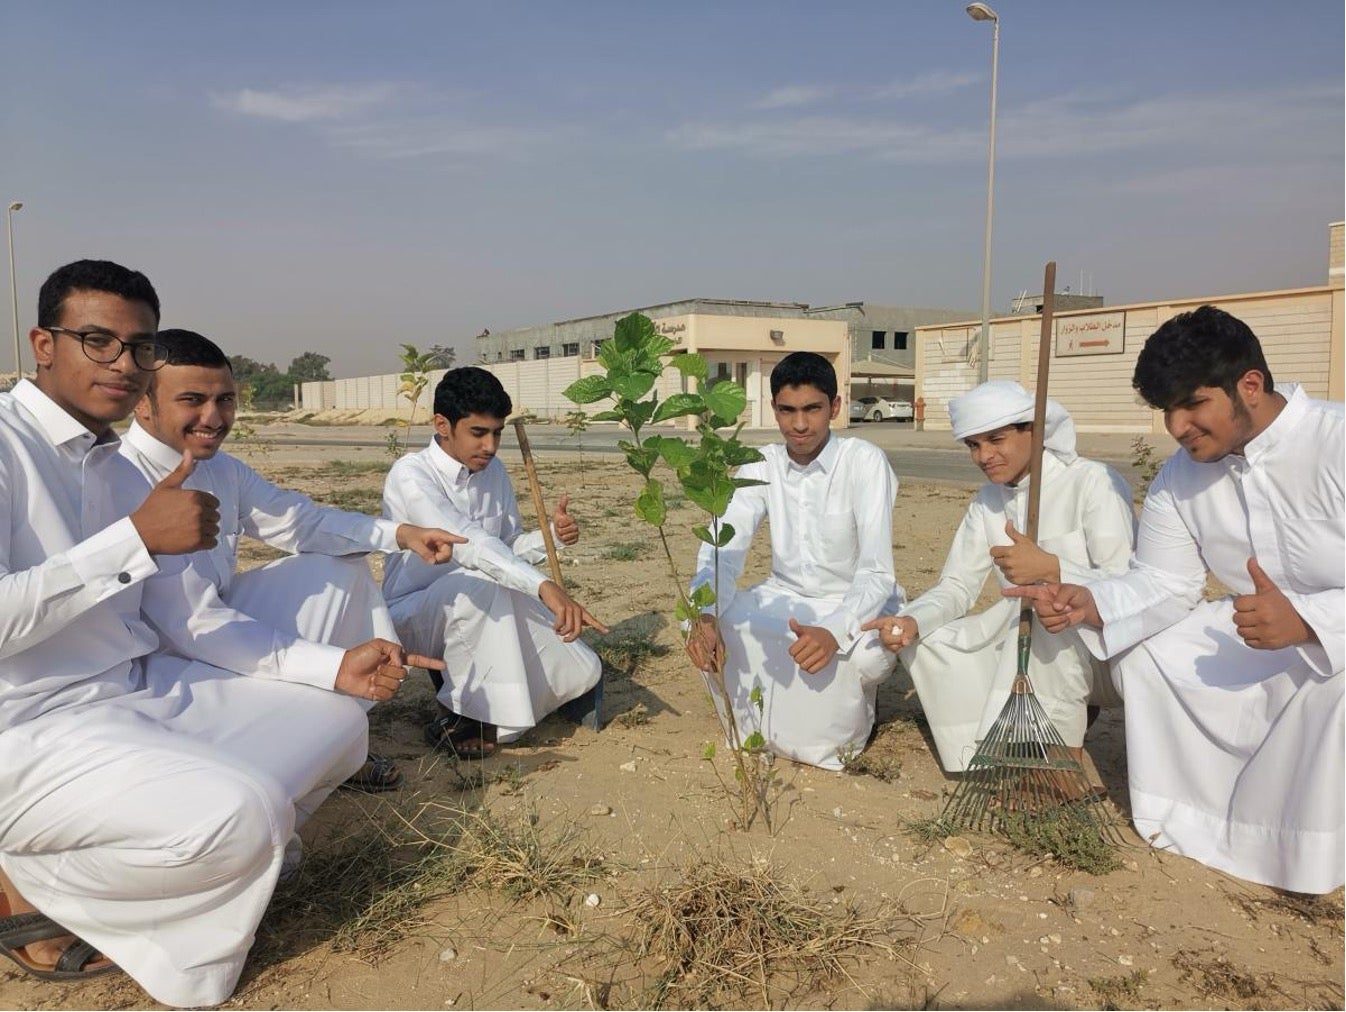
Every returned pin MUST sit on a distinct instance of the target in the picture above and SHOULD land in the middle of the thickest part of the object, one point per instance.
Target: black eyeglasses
(104, 348)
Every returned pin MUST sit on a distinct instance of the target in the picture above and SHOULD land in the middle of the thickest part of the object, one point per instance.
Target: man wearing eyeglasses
(146, 800)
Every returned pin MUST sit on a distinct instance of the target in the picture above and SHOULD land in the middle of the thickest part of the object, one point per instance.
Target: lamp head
(981, 12)
(16, 205)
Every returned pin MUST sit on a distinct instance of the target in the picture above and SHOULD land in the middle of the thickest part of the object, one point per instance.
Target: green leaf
(708, 752)
(747, 482)
(639, 457)
(685, 611)
(736, 453)
(678, 405)
(677, 453)
(690, 364)
(726, 399)
(608, 416)
(703, 534)
(754, 742)
(726, 535)
(634, 385)
(703, 596)
(588, 389)
(738, 773)
(755, 697)
(633, 332)
(708, 487)
(654, 349)
(650, 504)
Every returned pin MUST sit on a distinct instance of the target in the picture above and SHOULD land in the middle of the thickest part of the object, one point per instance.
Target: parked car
(878, 409)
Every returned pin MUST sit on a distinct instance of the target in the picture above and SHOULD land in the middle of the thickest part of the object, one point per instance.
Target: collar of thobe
(1051, 467)
(55, 422)
(160, 453)
(458, 473)
(1278, 432)
(825, 460)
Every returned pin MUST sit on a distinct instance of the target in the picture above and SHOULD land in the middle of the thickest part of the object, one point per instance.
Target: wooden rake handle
(544, 522)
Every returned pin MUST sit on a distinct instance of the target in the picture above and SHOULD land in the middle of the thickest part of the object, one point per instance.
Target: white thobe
(831, 566)
(963, 665)
(505, 665)
(1235, 754)
(292, 619)
(145, 801)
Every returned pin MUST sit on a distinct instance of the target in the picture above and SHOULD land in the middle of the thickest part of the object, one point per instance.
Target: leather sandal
(378, 774)
(78, 960)
(461, 736)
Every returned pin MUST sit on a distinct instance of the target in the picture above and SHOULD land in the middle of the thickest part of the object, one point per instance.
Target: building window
(899, 340)
(542, 351)
(570, 349)
(516, 355)
(598, 343)
(876, 339)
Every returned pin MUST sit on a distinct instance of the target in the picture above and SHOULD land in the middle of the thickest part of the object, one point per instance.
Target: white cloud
(306, 104)
(934, 83)
(792, 95)
(427, 137)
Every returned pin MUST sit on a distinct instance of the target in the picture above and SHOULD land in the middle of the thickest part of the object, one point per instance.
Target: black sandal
(19, 930)
(378, 774)
(461, 737)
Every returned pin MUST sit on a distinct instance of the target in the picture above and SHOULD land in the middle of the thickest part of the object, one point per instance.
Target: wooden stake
(544, 521)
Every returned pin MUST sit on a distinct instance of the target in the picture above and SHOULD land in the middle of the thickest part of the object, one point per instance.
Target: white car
(878, 409)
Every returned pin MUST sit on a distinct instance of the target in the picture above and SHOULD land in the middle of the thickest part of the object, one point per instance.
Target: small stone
(600, 810)
(958, 845)
(1125, 960)
(1081, 897)
(629, 767)
(448, 955)
(1043, 940)
(592, 900)
(1130, 865)
(1035, 872)
(1114, 933)
(1055, 939)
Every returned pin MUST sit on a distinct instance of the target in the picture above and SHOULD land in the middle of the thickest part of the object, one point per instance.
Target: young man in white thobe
(508, 635)
(797, 635)
(292, 619)
(963, 665)
(146, 801)
(1233, 706)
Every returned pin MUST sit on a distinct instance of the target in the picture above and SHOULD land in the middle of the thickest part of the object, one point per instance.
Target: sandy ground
(634, 817)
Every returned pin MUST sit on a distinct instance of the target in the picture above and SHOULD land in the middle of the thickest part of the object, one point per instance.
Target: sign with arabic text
(1094, 334)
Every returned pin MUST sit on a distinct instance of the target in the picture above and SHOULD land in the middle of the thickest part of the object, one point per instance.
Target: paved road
(928, 456)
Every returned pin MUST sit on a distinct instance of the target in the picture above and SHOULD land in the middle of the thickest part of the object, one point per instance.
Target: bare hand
(895, 631)
(1024, 562)
(174, 520)
(814, 648)
(430, 543)
(1266, 619)
(563, 525)
(571, 617)
(1059, 605)
(705, 646)
(376, 670)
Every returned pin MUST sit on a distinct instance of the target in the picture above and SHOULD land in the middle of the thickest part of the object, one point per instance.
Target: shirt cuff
(112, 559)
(385, 535)
(843, 627)
(309, 663)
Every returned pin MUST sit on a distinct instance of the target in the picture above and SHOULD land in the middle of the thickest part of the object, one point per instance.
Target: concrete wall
(1300, 330)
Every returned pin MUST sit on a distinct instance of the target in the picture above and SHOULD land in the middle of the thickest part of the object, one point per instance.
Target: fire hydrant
(920, 414)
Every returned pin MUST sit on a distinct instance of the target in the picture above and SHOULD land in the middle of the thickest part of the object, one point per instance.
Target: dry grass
(1119, 992)
(1214, 977)
(729, 936)
(1068, 833)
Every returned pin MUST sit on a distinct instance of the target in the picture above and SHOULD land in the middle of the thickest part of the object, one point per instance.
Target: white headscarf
(998, 403)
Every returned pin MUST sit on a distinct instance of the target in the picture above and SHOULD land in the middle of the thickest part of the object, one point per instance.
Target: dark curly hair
(187, 347)
(469, 390)
(804, 369)
(92, 276)
(1204, 348)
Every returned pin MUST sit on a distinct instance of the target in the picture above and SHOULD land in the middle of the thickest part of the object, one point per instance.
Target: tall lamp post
(981, 12)
(13, 287)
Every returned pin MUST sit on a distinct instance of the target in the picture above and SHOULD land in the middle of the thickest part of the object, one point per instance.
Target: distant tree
(309, 367)
(245, 368)
(441, 357)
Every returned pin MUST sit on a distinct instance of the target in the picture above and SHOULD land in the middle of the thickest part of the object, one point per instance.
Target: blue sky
(342, 177)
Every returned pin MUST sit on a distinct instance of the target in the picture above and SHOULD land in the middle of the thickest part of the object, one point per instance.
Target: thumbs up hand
(814, 648)
(563, 525)
(1023, 562)
(1265, 618)
(174, 520)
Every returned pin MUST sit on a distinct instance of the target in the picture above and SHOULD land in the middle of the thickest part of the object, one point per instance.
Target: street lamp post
(981, 12)
(14, 205)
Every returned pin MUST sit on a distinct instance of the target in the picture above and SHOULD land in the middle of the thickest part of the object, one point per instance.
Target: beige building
(1094, 351)
(742, 348)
